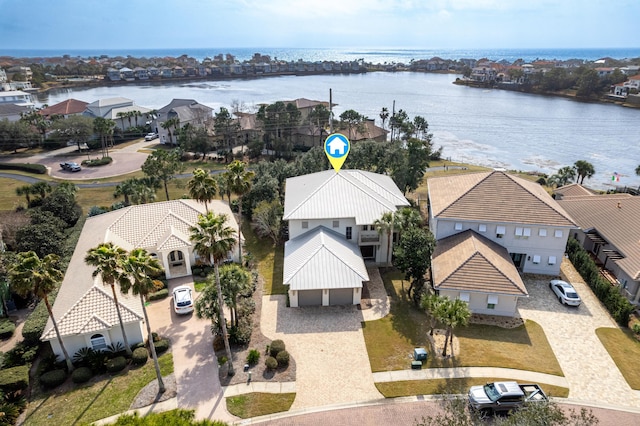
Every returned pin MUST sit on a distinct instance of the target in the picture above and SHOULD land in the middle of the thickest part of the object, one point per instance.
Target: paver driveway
(195, 366)
(332, 364)
(590, 371)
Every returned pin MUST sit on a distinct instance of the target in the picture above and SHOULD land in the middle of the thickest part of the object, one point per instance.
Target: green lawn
(390, 340)
(259, 404)
(86, 404)
(624, 349)
(451, 386)
(269, 259)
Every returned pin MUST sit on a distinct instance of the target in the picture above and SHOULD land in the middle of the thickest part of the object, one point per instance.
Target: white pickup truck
(503, 396)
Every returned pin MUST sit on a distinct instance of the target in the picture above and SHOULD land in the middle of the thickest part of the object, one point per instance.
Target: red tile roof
(68, 107)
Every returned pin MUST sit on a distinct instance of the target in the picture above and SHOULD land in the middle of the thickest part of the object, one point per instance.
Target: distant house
(12, 112)
(187, 111)
(114, 109)
(84, 308)
(490, 226)
(331, 234)
(141, 73)
(16, 97)
(113, 74)
(127, 74)
(65, 108)
(610, 231)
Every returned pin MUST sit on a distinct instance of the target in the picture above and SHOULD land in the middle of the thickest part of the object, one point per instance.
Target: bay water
(493, 128)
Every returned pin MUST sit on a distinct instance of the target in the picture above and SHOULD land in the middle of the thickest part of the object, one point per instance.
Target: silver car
(567, 295)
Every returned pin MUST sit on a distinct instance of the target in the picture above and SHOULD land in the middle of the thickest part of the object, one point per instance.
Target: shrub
(253, 357)
(115, 349)
(161, 294)
(222, 360)
(140, 356)
(241, 333)
(218, 343)
(283, 358)
(15, 378)
(97, 162)
(21, 354)
(97, 210)
(81, 375)
(25, 167)
(116, 364)
(7, 328)
(36, 322)
(271, 363)
(636, 328)
(276, 346)
(87, 357)
(53, 378)
(161, 346)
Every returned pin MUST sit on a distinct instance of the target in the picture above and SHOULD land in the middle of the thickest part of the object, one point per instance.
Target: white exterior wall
(73, 344)
(533, 245)
(478, 302)
(293, 297)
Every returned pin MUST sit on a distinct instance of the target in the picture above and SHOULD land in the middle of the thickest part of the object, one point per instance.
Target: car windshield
(491, 392)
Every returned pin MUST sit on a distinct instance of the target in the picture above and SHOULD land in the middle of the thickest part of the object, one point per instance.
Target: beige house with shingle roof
(610, 230)
(513, 213)
(84, 308)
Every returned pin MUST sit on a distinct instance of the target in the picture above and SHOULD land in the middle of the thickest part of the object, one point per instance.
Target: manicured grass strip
(623, 347)
(259, 404)
(450, 386)
(86, 404)
(269, 259)
(391, 340)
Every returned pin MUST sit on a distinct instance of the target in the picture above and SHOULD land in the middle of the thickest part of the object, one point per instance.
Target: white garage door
(310, 298)
(341, 296)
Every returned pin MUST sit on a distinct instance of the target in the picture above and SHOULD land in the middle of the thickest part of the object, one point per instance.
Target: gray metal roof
(365, 196)
(322, 259)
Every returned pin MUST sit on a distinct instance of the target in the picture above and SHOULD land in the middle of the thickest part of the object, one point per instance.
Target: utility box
(416, 365)
(420, 354)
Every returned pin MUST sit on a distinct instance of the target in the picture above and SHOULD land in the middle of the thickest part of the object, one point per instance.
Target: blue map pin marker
(337, 147)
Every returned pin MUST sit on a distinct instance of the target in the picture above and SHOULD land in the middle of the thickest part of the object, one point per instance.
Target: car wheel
(560, 300)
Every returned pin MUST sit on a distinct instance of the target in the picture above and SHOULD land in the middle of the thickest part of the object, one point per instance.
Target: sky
(150, 24)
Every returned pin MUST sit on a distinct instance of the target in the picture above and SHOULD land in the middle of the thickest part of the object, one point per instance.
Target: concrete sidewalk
(262, 387)
(462, 372)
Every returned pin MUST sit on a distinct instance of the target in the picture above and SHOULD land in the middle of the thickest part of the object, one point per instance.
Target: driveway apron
(332, 365)
(590, 371)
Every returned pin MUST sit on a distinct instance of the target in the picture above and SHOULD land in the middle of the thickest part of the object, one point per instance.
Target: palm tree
(202, 187)
(121, 115)
(433, 305)
(239, 182)
(214, 240)
(583, 169)
(638, 170)
(126, 189)
(140, 266)
(108, 258)
(26, 191)
(32, 275)
(41, 189)
(68, 188)
(406, 218)
(172, 123)
(385, 225)
(455, 313)
(384, 114)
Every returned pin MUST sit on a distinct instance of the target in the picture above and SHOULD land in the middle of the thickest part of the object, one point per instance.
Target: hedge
(25, 167)
(7, 328)
(140, 356)
(161, 294)
(15, 378)
(116, 364)
(21, 354)
(618, 306)
(53, 378)
(161, 346)
(97, 162)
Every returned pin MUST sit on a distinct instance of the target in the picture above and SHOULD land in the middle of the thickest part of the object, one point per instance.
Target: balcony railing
(369, 237)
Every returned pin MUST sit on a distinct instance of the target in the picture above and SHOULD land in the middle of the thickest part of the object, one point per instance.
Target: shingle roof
(70, 106)
(496, 197)
(616, 219)
(357, 194)
(468, 261)
(573, 190)
(321, 259)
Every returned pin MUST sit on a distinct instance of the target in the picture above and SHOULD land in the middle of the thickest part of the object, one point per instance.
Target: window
(98, 342)
(482, 227)
(305, 224)
(492, 301)
(464, 297)
(458, 226)
(518, 232)
(500, 231)
(558, 233)
(348, 233)
(366, 227)
(176, 258)
(526, 232)
(542, 232)
(336, 224)
(552, 260)
(536, 259)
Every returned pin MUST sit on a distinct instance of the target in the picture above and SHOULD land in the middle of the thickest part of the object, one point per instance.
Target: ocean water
(493, 128)
(372, 55)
